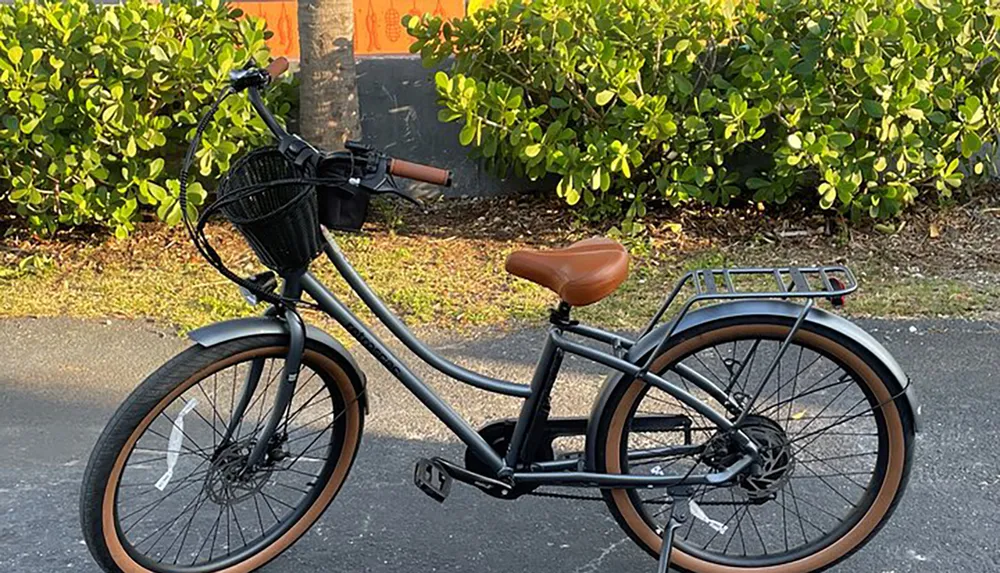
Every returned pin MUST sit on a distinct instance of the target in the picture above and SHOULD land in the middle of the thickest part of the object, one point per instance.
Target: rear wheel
(836, 450)
(164, 494)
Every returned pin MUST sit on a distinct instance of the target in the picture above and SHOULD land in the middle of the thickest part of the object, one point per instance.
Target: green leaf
(447, 116)
(173, 214)
(572, 196)
(29, 124)
(533, 150)
(603, 97)
(158, 54)
(873, 108)
(467, 134)
(794, 141)
(14, 53)
(196, 194)
(442, 81)
(37, 101)
(158, 192)
(841, 139)
(971, 143)
(557, 102)
(683, 85)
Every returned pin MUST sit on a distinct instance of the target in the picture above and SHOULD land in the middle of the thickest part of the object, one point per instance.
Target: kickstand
(678, 515)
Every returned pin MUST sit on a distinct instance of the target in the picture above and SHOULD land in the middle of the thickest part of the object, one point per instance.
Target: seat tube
(535, 410)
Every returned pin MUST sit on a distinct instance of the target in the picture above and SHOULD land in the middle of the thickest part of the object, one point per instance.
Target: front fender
(226, 331)
(819, 318)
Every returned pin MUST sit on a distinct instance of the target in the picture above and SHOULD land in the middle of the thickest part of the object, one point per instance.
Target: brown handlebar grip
(277, 67)
(419, 172)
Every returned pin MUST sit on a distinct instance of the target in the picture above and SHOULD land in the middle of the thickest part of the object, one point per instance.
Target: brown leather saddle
(581, 274)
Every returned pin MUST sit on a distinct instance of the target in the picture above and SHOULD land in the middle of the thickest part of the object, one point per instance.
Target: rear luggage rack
(832, 282)
(807, 283)
(789, 282)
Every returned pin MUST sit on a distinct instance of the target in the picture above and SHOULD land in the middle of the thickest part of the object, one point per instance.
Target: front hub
(229, 481)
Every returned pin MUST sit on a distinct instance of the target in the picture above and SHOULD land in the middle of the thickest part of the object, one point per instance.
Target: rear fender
(818, 318)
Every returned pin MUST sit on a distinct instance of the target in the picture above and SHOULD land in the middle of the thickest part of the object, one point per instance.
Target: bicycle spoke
(177, 488)
(181, 526)
(747, 366)
(791, 489)
(808, 396)
(198, 452)
(205, 541)
(753, 522)
(185, 531)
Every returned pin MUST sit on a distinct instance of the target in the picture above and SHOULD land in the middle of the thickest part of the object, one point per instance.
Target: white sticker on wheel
(174, 444)
(700, 515)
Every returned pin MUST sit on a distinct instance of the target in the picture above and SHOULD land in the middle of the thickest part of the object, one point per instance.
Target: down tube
(329, 303)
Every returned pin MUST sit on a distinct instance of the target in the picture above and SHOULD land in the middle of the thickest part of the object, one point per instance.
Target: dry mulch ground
(442, 264)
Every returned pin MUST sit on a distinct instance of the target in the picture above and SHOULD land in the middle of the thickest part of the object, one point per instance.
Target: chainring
(498, 435)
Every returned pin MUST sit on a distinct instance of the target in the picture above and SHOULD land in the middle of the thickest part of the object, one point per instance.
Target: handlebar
(419, 172)
(276, 68)
(253, 79)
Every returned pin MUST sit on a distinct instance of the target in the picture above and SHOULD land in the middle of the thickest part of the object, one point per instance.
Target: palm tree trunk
(329, 113)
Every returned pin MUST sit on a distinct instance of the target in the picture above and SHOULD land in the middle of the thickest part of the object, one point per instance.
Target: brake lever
(388, 187)
(380, 182)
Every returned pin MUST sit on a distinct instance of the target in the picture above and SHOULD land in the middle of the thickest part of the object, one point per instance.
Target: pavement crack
(593, 565)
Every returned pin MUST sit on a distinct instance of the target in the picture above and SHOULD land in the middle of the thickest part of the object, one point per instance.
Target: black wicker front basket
(270, 201)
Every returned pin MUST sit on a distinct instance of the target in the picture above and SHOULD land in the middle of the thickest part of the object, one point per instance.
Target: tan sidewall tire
(315, 360)
(895, 470)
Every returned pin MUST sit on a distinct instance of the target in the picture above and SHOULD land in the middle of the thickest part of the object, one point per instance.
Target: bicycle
(752, 431)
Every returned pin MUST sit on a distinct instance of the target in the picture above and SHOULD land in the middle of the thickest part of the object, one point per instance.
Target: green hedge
(865, 104)
(97, 105)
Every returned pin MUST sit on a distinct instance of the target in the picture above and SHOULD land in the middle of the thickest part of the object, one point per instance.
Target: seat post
(559, 316)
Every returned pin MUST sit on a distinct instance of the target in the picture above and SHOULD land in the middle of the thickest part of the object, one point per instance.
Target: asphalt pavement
(60, 380)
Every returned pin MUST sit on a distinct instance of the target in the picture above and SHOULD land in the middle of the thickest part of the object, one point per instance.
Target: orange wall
(377, 27)
(282, 19)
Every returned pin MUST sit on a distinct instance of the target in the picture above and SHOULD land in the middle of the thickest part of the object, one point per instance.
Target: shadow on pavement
(56, 397)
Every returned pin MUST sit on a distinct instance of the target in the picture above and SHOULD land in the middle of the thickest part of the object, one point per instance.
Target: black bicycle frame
(517, 466)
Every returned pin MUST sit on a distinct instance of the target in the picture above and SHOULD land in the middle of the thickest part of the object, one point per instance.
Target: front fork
(286, 387)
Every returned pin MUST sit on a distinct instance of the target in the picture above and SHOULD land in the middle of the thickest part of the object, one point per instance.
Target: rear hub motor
(777, 462)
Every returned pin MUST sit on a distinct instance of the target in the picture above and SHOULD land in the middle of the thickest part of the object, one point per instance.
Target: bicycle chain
(554, 495)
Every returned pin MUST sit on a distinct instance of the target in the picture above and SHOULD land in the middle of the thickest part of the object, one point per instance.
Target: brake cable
(196, 229)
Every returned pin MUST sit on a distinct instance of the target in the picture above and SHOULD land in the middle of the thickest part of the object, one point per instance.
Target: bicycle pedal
(432, 479)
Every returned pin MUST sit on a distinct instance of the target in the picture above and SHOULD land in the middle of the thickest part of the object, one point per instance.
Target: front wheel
(165, 493)
(836, 449)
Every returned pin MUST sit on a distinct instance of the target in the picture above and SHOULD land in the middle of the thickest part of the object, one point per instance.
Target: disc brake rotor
(777, 462)
(227, 482)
